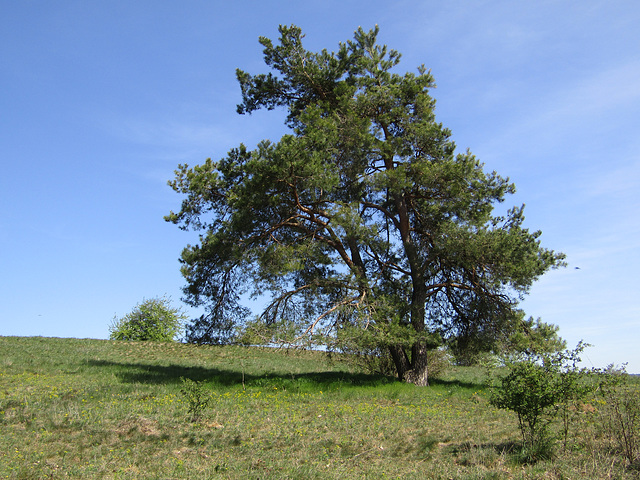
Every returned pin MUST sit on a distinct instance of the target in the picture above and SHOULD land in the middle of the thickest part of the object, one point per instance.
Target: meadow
(73, 408)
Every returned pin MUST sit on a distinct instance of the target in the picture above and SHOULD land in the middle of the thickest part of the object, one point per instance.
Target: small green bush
(152, 320)
(198, 399)
(539, 388)
(530, 391)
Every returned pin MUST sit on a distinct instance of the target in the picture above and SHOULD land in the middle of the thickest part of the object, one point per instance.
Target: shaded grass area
(171, 374)
(101, 409)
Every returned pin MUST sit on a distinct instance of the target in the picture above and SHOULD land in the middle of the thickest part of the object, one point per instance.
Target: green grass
(102, 409)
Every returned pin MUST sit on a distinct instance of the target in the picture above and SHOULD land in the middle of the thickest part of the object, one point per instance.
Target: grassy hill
(116, 410)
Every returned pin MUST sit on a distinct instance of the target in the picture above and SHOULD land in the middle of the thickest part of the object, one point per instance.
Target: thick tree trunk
(419, 373)
(416, 371)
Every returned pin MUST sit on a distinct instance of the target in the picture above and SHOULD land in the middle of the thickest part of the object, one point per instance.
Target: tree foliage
(363, 220)
(152, 320)
(527, 337)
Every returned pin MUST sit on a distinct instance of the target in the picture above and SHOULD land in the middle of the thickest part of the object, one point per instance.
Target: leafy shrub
(538, 388)
(529, 391)
(152, 320)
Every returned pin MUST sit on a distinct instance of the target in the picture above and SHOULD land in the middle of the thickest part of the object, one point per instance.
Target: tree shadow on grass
(130, 372)
(143, 373)
(456, 383)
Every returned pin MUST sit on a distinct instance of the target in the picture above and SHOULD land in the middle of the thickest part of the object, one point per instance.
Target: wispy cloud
(621, 182)
(169, 133)
(579, 108)
(597, 93)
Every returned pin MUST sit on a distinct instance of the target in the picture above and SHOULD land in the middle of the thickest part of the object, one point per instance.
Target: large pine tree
(363, 222)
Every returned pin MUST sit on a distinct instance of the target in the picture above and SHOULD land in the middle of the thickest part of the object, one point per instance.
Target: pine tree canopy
(363, 223)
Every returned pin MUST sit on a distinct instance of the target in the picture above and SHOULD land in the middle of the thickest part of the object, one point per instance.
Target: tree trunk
(419, 373)
(400, 360)
(416, 371)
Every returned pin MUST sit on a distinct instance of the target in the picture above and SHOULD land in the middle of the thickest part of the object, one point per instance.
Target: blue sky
(101, 100)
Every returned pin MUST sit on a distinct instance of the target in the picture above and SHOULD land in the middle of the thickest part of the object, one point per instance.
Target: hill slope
(100, 409)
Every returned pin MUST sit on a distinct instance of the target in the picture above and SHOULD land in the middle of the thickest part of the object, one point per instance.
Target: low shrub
(539, 388)
(197, 397)
(152, 320)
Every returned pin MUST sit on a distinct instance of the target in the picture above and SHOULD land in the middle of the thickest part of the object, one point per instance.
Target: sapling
(198, 399)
